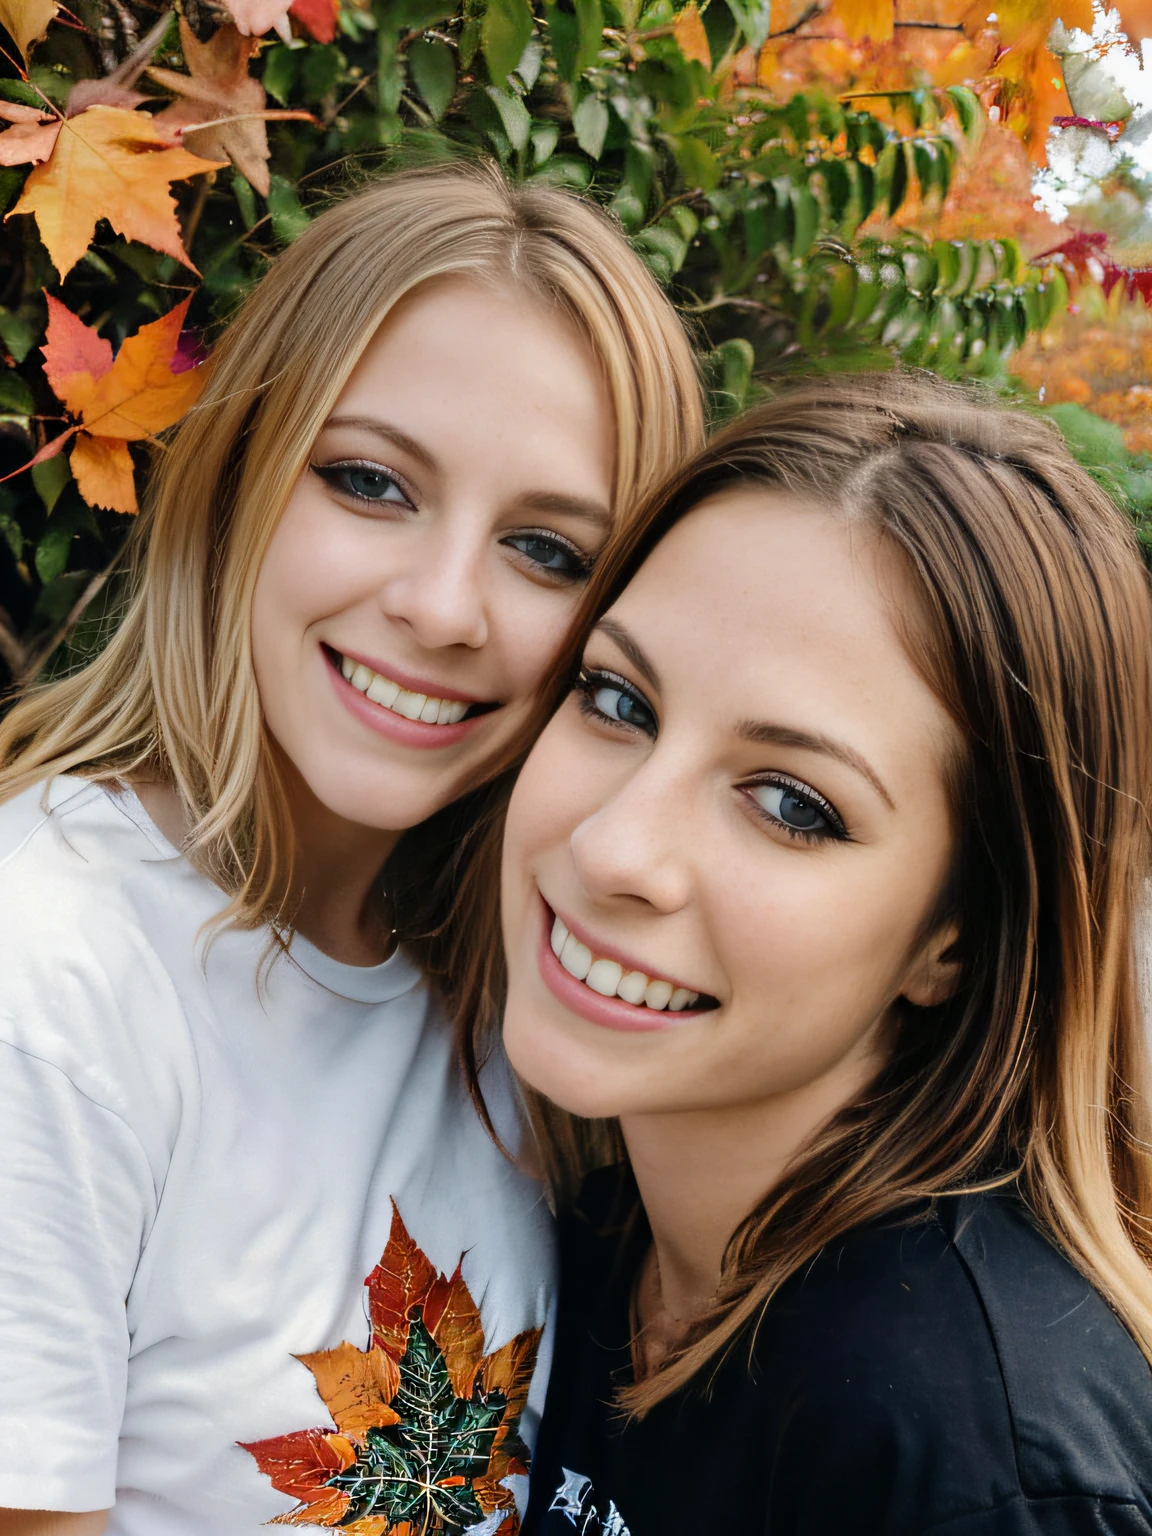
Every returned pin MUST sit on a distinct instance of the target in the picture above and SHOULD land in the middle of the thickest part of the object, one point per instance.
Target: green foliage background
(747, 208)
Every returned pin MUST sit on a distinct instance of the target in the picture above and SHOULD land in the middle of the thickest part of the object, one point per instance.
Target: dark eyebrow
(391, 435)
(634, 653)
(809, 741)
(566, 506)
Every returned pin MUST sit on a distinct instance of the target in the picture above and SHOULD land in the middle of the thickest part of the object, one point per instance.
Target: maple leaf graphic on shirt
(427, 1425)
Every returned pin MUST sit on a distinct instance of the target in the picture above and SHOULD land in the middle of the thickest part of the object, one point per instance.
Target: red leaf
(400, 1281)
(73, 353)
(318, 16)
(301, 1464)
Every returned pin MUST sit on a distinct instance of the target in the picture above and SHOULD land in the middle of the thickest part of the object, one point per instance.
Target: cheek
(527, 630)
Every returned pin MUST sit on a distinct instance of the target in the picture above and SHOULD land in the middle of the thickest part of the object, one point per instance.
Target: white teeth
(610, 979)
(632, 986)
(576, 958)
(381, 691)
(604, 977)
(413, 706)
(657, 993)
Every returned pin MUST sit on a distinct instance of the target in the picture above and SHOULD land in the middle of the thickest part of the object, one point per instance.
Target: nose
(439, 590)
(633, 846)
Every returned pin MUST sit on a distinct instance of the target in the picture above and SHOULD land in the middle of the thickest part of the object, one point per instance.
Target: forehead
(783, 608)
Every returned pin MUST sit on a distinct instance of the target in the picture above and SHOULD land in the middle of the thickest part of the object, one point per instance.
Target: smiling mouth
(610, 979)
(389, 694)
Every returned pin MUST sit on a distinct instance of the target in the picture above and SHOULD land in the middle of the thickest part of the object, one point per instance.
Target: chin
(577, 1087)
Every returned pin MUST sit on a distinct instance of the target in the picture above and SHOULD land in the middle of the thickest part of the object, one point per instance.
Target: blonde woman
(225, 1097)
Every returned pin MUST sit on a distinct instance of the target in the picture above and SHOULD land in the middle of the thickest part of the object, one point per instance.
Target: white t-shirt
(199, 1149)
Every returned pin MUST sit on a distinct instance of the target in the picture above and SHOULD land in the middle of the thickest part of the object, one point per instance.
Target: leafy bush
(776, 223)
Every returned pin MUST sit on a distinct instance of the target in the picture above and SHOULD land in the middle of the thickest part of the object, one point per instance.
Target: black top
(947, 1372)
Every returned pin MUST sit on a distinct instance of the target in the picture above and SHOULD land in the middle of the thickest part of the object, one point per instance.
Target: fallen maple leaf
(26, 21)
(105, 163)
(426, 1424)
(118, 400)
(32, 136)
(219, 92)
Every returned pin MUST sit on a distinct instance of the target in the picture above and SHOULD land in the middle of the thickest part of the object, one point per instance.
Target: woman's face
(424, 570)
(736, 831)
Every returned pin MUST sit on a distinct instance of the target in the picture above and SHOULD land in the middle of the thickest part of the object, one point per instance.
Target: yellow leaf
(865, 18)
(109, 164)
(26, 21)
(690, 34)
(102, 469)
(140, 395)
(357, 1386)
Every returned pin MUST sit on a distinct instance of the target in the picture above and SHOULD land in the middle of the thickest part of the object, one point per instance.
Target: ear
(935, 971)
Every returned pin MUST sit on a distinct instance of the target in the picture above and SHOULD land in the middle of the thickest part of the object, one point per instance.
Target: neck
(701, 1172)
(335, 874)
(336, 879)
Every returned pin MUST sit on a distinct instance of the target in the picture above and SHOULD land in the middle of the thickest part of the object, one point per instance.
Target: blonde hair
(1038, 639)
(173, 693)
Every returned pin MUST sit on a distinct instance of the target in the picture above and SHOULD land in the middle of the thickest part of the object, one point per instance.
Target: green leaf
(733, 360)
(544, 138)
(505, 32)
(1094, 441)
(12, 534)
(696, 163)
(50, 478)
(968, 109)
(323, 66)
(56, 544)
(514, 117)
(11, 180)
(590, 123)
(565, 171)
(433, 68)
(22, 92)
(628, 209)
(15, 396)
(281, 72)
(754, 18)
(898, 185)
(807, 221)
(668, 244)
(590, 33)
(245, 199)
(288, 217)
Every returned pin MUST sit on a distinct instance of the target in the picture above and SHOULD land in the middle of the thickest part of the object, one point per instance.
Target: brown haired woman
(217, 1073)
(820, 896)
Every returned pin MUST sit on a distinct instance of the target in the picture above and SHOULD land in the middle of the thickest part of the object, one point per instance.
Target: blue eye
(363, 482)
(548, 552)
(796, 808)
(608, 698)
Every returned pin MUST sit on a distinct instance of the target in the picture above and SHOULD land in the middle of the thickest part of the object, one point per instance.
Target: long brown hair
(173, 694)
(1038, 639)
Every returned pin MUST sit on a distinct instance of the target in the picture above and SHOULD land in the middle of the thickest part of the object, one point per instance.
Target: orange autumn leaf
(107, 163)
(861, 19)
(117, 400)
(453, 1320)
(26, 21)
(400, 1281)
(688, 29)
(432, 1423)
(357, 1385)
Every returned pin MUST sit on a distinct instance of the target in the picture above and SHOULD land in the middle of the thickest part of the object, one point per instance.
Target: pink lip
(409, 733)
(608, 1012)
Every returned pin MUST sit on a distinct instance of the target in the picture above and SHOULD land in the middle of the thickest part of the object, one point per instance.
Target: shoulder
(962, 1342)
(90, 899)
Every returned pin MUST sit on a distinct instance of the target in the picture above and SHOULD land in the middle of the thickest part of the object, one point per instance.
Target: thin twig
(35, 663)
(813, 10)
(930, 26)
(197, 208)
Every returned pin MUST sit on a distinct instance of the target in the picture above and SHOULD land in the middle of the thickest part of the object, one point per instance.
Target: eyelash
(836, 831)
(335, 475)
(588, 683)
(582, 561)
